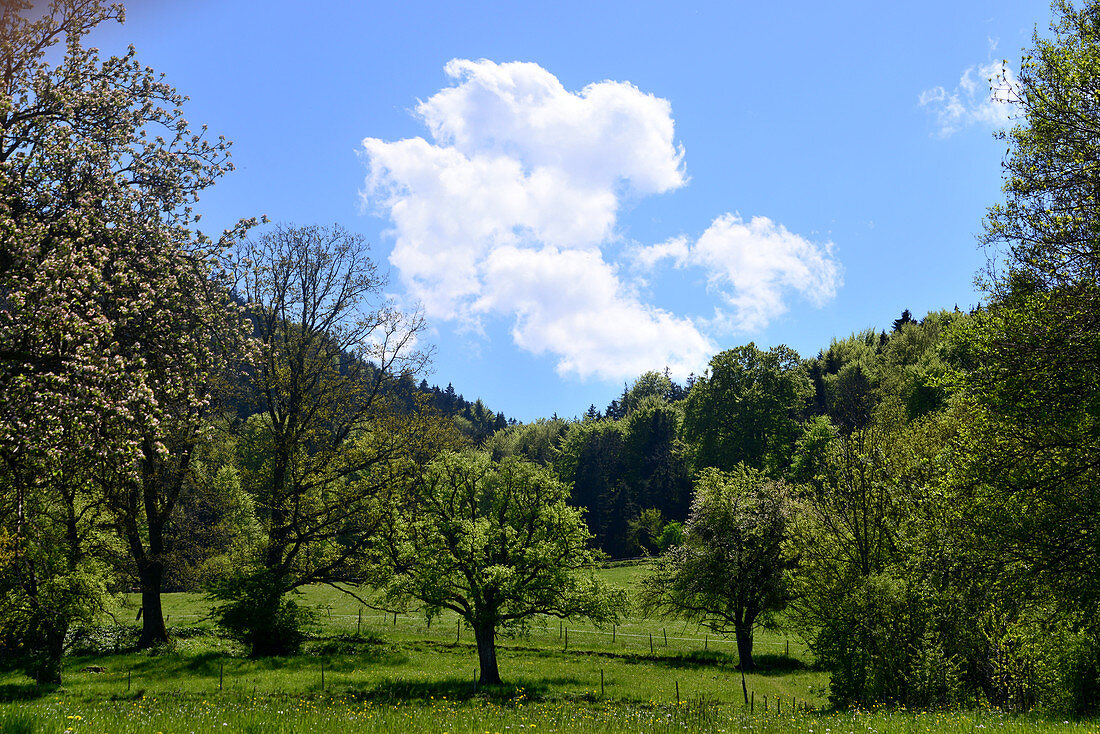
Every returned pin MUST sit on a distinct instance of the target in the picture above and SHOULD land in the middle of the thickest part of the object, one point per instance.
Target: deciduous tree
(495, 543)
(728, 571)
(1031, 451)
(105, 328)
(746, 409)
(331, 434)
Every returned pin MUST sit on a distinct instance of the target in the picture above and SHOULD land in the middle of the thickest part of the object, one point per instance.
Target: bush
(251, 606)
(1080, 677)
(881, 649)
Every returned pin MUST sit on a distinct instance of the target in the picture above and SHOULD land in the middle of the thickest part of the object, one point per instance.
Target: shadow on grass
(463, 689)
(772, 664)
(29, 691)
(766, 664)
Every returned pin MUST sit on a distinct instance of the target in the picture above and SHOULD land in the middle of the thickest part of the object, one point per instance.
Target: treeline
(631, 465)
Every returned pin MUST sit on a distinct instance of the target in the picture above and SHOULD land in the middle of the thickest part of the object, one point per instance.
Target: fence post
(744, 688)
(677, 693)
(752, 702)
(613, 628)
(706, 642)
(458, 631)
(128, 674)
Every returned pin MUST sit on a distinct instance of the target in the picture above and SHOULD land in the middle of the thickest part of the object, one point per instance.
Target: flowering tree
(110, 325)
(728, 573)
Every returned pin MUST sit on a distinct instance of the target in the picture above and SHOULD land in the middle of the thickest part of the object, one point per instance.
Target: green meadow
(366, 670)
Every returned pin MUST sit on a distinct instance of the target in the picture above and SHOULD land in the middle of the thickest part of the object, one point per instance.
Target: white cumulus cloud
(985, 95)
(753, 265)
(506, 210)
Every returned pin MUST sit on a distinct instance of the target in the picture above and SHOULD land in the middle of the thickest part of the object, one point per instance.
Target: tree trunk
(744, 648)
(275, 626)
(486, 635)
(153, 631)
(47, 668)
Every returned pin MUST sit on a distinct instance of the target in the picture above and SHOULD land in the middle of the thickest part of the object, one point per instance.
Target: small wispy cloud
(985, 95)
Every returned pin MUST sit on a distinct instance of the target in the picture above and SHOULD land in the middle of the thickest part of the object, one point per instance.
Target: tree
(656, 471)
(180, 347)
(495, 543)
(53, 580)
(649, 385)
(728, 571)
(331, 435)
(746, 409)
(906, 318)
(876, 577)
(1029, 456)
(592, 461)
(537, 442)
(105, 320)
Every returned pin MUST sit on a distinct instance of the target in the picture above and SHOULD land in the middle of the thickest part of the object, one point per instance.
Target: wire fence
(631, 635)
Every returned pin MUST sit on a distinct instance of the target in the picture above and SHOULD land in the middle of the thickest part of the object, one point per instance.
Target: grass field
(363, 670)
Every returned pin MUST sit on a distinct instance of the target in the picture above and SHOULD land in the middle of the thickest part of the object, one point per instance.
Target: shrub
(251, 607)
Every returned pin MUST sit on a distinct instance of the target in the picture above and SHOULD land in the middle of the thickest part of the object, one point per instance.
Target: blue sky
(576, 192)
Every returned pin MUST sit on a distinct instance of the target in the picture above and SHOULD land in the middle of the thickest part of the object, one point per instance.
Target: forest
(248, 415)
